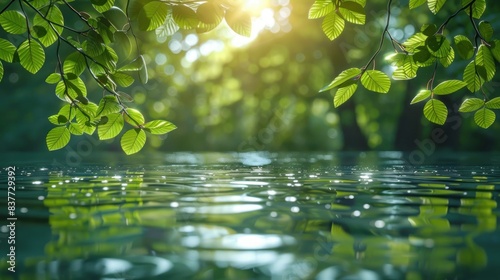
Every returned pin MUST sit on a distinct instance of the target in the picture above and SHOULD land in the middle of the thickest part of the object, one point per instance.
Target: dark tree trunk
(352, 136)
(409, 125)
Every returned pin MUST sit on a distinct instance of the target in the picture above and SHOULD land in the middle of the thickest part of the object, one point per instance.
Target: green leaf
(421, 96)
(205, 27)
(66, 110)
(493, 103)
(40, 3)
(108, 58)
(8, 50)
(159, 127)
(343, 94)
(61, 91)
(210, 13)
(320, 8)
(333, 25)
(407, 69)
(168, 28)
(361, 2)
(133, 141)
(416, 40)
(376, 81)
(429, 29)
(74, 63)
(87, 125)
(396, 59)
(473, 80)
(13, 22)
(435, 111)
(117, 17)
(124, 97)
(471, 105)
(415, 3)
(143, 71)
(438, 45)
(90, 109)
(84, 100)
(62, 119)
(485, 65)
(53, 78)
(478, 7)
(1, 71)
(464, 46)
(122, 79)
(486, 30)
(484, 117)
(76, 88)
(110, 126)
(448, 87)
(76, 129)
(186, 18)
(136, 65)
(448, 60)
(47, 32)
(85, 116)
(102, 5)
(57, 138)
(98, 71)
(108, 105)
(124, 44)
(94, 46)
(495, 49)
(422, 57)
(153, 15)
(343, 77)
(106, 82)
(352, 12)
(31, 55)
(435, 5)
(105, 29)
(54, 119)
(239, 21)
(134, 117)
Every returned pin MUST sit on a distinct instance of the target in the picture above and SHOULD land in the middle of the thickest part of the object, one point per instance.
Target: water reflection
(263, 216)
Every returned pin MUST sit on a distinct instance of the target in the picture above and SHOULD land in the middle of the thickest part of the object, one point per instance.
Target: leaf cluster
(104, 49)
(336, 13)
(429, 47)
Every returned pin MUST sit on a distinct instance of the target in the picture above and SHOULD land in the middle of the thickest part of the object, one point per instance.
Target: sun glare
(263, 17)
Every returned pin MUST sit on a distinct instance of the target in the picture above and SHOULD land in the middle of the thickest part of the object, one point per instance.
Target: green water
(252, 216)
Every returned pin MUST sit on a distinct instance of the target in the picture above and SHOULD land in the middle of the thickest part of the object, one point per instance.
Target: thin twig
(382, 37)
(7, 6)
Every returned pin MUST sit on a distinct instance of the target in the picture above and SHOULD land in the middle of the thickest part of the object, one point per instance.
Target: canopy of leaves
(429, 47)
(101, 47)
(224, 96)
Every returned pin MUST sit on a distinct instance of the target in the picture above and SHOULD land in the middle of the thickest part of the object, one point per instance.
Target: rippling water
(254, 216)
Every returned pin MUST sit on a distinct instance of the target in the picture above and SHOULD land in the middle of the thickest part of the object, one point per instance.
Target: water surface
(254, 216)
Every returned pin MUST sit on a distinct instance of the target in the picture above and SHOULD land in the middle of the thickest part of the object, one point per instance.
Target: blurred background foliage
(226, 92)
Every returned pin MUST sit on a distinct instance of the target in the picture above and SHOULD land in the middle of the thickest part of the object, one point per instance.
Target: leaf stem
(478, 34)
(381, 38)
(443, 25)
(52, 22)
(431, 81)
(27, 20)
(7, 6)
(79, 14)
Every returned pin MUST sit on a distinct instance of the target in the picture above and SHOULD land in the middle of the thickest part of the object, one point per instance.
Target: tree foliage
(105, 48)
(430, 47)
(103, 45)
